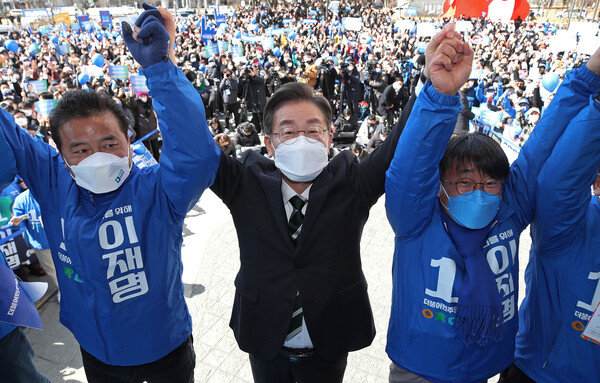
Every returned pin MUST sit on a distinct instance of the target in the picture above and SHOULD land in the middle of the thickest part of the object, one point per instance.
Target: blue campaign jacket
(26, 204)
(118, 254)
(563, 274)
(6, 176)
(427, 270)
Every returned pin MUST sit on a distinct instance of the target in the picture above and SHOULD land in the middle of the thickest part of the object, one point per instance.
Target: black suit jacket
(325, 266)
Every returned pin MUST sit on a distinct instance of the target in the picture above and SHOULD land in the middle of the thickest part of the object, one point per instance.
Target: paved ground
(210, 256)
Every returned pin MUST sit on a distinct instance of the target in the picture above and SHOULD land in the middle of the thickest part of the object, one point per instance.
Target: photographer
(254, 95)
(229, 93)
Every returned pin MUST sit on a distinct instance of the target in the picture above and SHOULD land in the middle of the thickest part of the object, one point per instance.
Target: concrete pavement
(211, 261)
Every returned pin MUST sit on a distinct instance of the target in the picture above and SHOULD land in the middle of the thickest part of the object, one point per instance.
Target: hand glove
(149, 10)
(154, 45)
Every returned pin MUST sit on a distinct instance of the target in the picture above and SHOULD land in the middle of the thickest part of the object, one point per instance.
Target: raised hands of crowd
(448, 61)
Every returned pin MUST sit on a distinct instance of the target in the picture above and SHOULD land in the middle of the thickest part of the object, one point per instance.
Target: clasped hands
(448, 61)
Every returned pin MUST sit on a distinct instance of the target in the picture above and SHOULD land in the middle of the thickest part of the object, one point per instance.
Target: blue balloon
(292, 36)
(550, 82)
(98, 60)
(336, 23)
(11, 45)
(276, 51)
(369, 40)
(83, 78)
(238, 35)
(54, 39)
(201, 67)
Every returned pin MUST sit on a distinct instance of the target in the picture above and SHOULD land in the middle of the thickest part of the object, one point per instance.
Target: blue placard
(105, 19)
(44, 107)
(236, 50)
(82, 18)
(75, 27)
(16, 306)
(119, 72)
(411, 11)
(141, 156)
(138, 83)
(223, 45)
(63, 49)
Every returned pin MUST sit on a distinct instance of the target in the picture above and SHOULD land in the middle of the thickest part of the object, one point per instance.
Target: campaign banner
(220, 18)
(37, 87)
(426, 29)
(17, 299)
(276, 31)
(251, 38)
(207, 33)
(83, 18)
(405, 25)
(141, 156)
(62, 18)
(411, 12)
(309, 21)
(138, 83)
(211, 50)
(105, 19)
(422, 47)
(236, 50)
(119, 72)
(75, 27)
(268, 43)
(87, 26)
(352, 23)
(63, 49)
(223, 45)
(36, 13)
(13, 246)
(92, 70)
(5, 211)
(44, 107)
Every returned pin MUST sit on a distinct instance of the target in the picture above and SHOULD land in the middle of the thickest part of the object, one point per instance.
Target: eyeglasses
(288, 135)
(468, 185)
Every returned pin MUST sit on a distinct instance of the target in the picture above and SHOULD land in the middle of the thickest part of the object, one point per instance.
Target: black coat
(325, 266)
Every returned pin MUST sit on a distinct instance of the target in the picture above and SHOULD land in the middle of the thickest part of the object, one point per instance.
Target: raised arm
(412, 181)
(35, 161)
(563, 187)
(189, 157)
(571, 98)
(8, 170)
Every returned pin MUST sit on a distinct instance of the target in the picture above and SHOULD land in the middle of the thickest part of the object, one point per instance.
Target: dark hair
(82, 104)
(479, 149)
(292, 92)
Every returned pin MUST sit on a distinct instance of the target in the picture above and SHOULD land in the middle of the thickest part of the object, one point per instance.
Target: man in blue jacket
(115, 230)
(457, 223)
(563, 274)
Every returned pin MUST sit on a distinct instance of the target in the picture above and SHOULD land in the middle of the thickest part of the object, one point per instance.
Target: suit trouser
(286, 368)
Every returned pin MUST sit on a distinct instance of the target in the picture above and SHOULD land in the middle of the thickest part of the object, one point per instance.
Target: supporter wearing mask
(22, 120)
(98, 209)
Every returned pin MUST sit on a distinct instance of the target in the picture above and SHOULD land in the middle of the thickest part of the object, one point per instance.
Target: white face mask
(301, 161)
(27, 112)
(101, 172)
(21, 121)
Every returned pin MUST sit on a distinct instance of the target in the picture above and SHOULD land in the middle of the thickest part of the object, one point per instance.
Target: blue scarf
(479, 313)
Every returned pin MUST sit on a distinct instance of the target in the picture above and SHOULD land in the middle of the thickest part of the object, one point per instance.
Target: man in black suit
(301, 301)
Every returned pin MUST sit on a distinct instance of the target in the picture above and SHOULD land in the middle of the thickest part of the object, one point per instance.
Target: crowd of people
(316, 83)
(370, 72)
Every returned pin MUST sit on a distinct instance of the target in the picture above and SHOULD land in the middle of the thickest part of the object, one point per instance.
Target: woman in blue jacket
(563, 274)
(457, 224)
